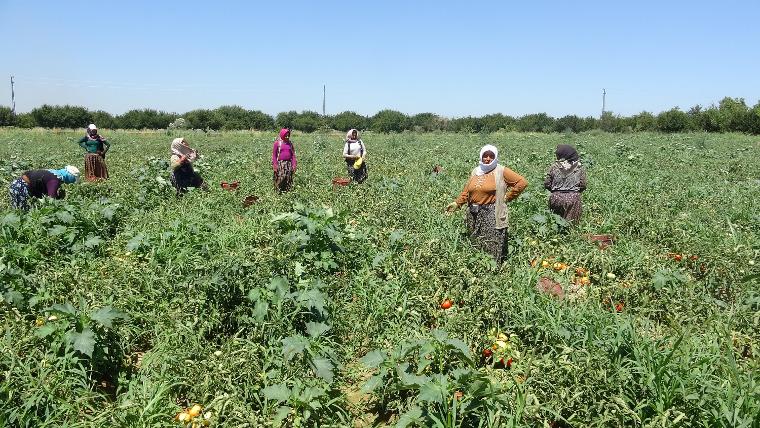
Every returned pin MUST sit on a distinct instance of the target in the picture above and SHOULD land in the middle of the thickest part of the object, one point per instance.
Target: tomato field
(366, 305)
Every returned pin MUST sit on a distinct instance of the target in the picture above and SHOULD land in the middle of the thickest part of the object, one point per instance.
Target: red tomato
(509, 363)
(446, 304)
(619, 307)
(487, 353)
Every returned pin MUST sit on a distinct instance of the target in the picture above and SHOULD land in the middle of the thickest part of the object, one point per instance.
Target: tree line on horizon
(730, 115)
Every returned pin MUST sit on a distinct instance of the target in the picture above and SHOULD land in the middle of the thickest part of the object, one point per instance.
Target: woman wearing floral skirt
(488, 191)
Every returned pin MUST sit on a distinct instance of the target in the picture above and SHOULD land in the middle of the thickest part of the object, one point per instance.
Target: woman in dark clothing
(183, 175)
(38, 183)
(566, 179)
(95, 159)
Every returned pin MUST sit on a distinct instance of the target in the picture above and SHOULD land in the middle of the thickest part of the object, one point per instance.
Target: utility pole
(324, 94)
(13, 99)
(604, 100)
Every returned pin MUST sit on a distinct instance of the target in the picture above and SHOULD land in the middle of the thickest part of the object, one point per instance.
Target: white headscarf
(179, 149)
(484, 169)
(350, 135)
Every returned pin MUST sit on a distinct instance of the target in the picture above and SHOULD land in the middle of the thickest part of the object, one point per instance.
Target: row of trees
(730, 115)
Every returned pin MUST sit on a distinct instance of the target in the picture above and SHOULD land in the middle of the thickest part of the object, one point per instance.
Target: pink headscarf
(284, 134)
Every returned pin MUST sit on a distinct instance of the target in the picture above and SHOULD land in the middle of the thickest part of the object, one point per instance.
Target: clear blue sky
(454, 58)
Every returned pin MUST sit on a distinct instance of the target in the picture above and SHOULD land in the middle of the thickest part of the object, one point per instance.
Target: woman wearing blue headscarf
(38, 183)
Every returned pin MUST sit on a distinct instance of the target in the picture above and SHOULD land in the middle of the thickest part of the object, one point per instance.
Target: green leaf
(372, 384)
(412, 416)
(108, 212)
(660, 280)
(316, 329)
(93, 241)
(260, 310)
(57, 230)
(65, 217)
(293, 345)
(373, 359)
(440, 335)
(539, 218)
(45, 331)
(63, 309)
(84, 342)
(278, 392)
(312, 299)
(11, 219)
(299, 269)
(106, 315)
(323, 368)
(460, 346)
(430, 392)
(281, 414)
(136, 242)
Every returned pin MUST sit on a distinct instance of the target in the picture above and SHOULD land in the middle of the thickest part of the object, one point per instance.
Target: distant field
(321, 307)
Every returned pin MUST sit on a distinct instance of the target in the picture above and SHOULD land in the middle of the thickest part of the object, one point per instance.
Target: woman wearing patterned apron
(566, 179)
(486, 196)
(283, 161)
(355, 155)
(95, 159)
(38, 183)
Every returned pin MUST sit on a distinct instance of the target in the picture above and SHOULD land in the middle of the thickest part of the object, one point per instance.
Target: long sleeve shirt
(565, 178)
(93, 145)
(354, 148)
(43, 182)
(481, 189)
(286, 153)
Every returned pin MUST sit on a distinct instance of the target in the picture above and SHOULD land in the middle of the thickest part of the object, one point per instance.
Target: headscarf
(92, 132)
(567, 156)
(567, 152)
(350, 135)
(284, 135)
(484, 169)
(67, 174)
(179, 149)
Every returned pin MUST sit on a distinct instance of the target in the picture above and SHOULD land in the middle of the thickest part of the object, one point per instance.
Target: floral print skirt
(481, 225)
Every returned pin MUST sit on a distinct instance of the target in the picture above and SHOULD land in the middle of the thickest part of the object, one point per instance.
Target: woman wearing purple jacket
(283, 161)
(38, 183)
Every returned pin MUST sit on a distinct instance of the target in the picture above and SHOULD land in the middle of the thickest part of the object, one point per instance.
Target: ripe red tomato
(678, 257)
(446, 304)
(487, 353)
(509, 363)
(619, 307)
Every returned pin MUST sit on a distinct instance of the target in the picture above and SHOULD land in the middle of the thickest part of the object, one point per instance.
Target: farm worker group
(487, 193)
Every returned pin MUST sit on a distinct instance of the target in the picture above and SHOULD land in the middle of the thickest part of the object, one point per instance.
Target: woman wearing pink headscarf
(283, 161)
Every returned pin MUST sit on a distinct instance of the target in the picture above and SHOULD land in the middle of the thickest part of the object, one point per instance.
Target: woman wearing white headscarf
(95, 147)
(183, 175)
(355, 155)
(486, 196)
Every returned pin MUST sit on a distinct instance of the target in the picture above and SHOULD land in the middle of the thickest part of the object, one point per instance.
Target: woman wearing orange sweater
(490, 187)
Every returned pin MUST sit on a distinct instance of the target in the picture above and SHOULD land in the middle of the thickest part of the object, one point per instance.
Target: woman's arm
(516, 182)
(549, 178)
(51, 188)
